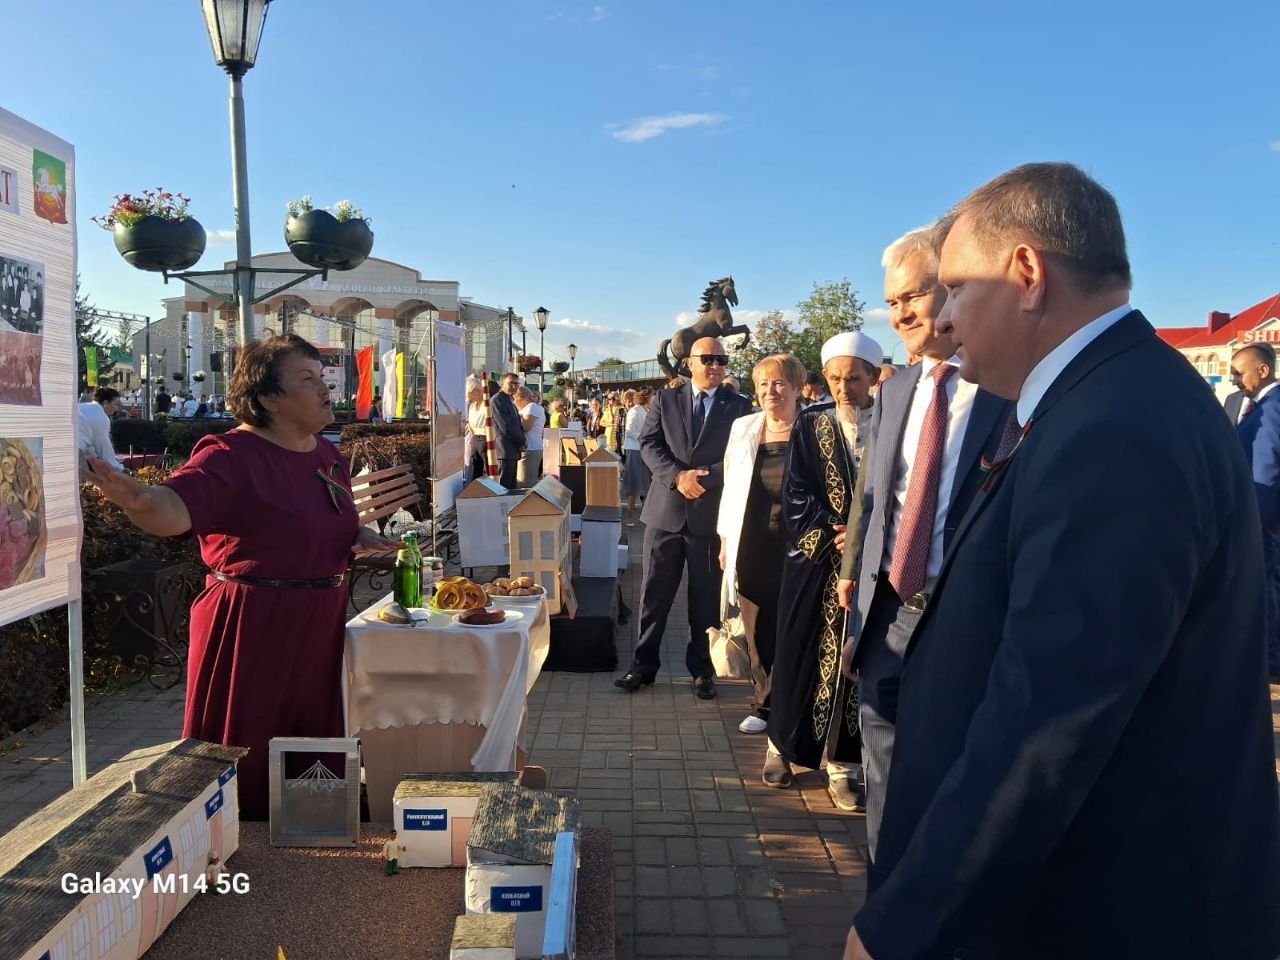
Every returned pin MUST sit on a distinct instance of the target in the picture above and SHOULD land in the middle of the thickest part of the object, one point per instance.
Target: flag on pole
(91, 366)
(364, 392)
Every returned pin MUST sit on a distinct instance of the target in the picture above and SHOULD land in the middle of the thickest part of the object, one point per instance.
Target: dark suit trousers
(507, 472)
(880, 651)
(665, 554)
(1271, 563)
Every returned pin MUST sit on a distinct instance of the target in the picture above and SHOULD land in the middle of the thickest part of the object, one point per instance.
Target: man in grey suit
(929, 429)
(508, 430)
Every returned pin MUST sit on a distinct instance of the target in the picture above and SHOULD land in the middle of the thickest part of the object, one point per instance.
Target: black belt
(322, 583)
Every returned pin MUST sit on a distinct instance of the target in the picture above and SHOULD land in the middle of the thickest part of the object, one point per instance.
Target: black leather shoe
(704, 688)
(633, 680)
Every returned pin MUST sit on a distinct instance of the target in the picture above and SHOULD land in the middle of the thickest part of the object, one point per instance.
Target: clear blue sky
(498, 144)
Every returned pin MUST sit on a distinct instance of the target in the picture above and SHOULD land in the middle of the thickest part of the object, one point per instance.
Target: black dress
(762, 548)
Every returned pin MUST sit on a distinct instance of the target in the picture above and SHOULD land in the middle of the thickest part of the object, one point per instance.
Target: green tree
(831, 308)
(773, 333)
(90, 334)
(611, 362)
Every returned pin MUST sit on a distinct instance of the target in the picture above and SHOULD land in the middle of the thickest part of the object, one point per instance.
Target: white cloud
(646, 128)
(1275, 146)
(597, 14)
(685, 317)
(878, 315)
(218, 237)
(586, 326)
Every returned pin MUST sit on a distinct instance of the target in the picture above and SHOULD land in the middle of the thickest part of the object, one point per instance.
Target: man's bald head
(707, 373)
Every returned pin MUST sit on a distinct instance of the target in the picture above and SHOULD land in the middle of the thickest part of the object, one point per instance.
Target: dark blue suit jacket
(1259, 434)
(508, 430)
(667, 448)
(1084, 760)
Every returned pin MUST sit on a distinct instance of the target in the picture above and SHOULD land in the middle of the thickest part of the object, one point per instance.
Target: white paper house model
(604, 477)
(510, 855)
(539, 532)
(146, 827)
(482, 507)
(432, 814)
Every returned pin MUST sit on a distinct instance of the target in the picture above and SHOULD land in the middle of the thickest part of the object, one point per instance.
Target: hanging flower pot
(153, 231)
(199, 376)
(156, 244)
(327, 242)
(179, 377)
(158, 381)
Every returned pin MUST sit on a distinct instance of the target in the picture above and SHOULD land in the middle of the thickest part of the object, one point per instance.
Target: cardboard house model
(433, 814)
(510, 854)
(573, 469)
(146, 827)
(539, 532)
(484, 936)
(483, 506)
(604, 475)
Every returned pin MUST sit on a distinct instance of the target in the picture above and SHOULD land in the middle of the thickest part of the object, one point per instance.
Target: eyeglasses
(713, 359)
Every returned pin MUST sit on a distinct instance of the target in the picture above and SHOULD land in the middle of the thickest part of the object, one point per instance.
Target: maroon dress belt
(320, 584)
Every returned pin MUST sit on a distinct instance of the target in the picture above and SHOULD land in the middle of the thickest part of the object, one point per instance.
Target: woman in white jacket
(753, 535)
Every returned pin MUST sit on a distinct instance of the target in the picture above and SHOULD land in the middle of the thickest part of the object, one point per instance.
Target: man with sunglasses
(683, 443)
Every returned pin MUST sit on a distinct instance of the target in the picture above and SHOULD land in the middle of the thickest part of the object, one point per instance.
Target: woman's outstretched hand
(369, 540)
(117, 486)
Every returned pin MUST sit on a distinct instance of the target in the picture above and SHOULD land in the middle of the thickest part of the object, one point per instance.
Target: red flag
(364, 392)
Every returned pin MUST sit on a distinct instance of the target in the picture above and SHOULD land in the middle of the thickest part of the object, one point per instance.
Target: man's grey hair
(919, 240)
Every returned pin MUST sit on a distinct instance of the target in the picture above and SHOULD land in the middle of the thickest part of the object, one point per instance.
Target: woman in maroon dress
(271, 505)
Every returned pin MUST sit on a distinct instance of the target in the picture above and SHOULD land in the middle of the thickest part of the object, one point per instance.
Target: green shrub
(33, 652)
(354, 431)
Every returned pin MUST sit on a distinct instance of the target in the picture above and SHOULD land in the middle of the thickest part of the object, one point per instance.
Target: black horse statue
(714, 320)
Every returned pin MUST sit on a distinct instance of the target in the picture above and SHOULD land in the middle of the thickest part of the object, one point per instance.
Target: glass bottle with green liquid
(407, 584)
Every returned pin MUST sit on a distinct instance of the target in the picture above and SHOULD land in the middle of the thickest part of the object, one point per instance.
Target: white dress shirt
(706, 403)
(1041, 378)
(95, 434)
(960, 394)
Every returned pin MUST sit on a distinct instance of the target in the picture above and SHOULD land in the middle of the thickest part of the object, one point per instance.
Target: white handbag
(729, 653)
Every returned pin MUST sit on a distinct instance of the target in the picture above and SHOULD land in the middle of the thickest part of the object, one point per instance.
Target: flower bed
(33, 652)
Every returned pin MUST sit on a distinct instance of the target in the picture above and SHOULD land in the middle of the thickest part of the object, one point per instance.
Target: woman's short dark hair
(258, 374)
(106, 394)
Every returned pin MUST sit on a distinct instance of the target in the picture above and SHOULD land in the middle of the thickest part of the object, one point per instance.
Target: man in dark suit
(1253, 372)
(683, 442)
(929, 429)
(1083, 764)
(1235, 406)
(508, 429)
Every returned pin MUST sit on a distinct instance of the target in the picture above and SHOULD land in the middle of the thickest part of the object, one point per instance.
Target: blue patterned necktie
(699, 414)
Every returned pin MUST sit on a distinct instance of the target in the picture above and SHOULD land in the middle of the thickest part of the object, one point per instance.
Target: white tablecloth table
(439, 697)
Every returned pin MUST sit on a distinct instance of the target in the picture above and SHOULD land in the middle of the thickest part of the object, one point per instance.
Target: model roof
(93, 829)
(520, 824)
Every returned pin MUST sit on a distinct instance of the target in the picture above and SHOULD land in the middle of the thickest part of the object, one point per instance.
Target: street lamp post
(511, 341)
(540, 317)
(573, 381)
(235, 30)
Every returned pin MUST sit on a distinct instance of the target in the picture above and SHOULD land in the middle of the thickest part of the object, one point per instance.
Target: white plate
(527, 598)
(421, 618)
(511, 615)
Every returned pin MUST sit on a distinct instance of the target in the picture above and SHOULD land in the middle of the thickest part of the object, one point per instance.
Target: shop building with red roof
(1210, 348)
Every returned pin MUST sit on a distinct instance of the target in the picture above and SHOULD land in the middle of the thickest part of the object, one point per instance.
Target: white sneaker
(753, 724)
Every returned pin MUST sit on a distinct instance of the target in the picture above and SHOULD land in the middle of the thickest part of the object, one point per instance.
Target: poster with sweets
(40, 520)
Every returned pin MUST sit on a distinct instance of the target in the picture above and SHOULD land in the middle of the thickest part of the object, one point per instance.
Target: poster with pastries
(40, 520)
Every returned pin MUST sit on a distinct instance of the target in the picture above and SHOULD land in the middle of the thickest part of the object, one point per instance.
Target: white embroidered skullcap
(853, 344)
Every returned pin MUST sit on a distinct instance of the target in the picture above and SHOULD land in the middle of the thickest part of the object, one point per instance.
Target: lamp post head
(235, 30)
(573, 351)
(540, 316)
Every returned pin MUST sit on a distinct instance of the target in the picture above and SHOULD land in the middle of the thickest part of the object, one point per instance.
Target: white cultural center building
(380, 304)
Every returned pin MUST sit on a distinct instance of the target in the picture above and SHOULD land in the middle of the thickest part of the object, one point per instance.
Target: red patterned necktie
(910, 564)
(1246, 408)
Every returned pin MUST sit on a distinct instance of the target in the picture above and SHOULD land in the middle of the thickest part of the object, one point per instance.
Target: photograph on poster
(23, 532)
(20, 355)
(49, 187)
(21, 295)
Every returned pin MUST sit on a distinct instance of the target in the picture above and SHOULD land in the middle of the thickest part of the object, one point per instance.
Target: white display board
(448, 399)
(40, 521)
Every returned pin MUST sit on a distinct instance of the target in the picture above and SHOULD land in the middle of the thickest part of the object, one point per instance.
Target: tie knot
(941, 372)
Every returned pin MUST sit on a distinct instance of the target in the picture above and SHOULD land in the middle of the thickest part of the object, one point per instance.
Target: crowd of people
(1020, 650)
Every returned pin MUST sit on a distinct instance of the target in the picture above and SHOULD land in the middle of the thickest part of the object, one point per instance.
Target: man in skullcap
(813, 709)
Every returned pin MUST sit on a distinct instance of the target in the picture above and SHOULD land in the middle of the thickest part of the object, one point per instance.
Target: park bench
(378, 495)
